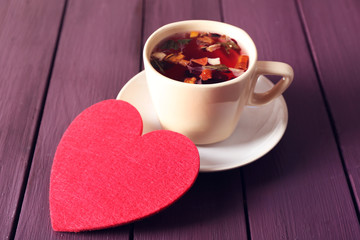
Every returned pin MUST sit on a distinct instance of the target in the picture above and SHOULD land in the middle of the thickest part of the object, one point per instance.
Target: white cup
(209, 113)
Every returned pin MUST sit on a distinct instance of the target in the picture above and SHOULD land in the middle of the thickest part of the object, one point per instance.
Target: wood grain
(299, 190)
(99, 51)
(337, 54)
(28, 35)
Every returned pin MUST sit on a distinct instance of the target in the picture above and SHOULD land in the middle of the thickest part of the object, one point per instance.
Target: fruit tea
(199, 58)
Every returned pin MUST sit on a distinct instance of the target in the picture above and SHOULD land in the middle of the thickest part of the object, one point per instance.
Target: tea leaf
(183, 41)
(226, 46)
(215, 35)
(170, 44)
(233, 45)
(157, 65)
(229, 44)
(218, 67)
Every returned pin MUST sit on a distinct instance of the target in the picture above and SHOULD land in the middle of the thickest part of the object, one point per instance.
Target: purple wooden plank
(299, 190)
(27, 39)
(99, 51)
(214, 208)
(160, 12)
(337, 56)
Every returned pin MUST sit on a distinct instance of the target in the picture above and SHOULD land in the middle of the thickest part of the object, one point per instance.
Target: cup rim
(146, 57)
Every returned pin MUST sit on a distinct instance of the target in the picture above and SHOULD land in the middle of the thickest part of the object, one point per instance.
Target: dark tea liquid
(200, 58)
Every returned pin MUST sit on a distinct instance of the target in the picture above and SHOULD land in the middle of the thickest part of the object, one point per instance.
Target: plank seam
(221, 8)
(131, 231)
(142, 33)
(246, 212)
(37, 128)
(132, 226)
(316, 66)
(243, 187)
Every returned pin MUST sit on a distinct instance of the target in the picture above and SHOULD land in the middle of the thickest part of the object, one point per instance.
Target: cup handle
(271, 68)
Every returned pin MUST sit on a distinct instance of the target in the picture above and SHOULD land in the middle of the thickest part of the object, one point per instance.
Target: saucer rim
(280, 130)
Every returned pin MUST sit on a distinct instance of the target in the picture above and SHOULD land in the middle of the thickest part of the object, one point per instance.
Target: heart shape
(106, 174)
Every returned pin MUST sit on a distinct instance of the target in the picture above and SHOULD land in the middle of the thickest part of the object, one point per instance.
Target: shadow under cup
(206, 113)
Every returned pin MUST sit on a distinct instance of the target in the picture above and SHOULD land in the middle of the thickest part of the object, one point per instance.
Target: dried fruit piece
(168, 56)
(174, 58)
(205, 40)
(213, 47)
(184, 62)
(201, 61)
(243, 62)
(194, 34)
(158, 55)
(223, 38)
(214, 61)
(205, 74)
(237, 72)
(190, 80)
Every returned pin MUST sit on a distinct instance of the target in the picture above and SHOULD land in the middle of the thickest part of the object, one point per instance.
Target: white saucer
(258, 131)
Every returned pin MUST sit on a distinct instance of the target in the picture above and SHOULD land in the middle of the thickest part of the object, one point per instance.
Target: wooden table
(59, 57)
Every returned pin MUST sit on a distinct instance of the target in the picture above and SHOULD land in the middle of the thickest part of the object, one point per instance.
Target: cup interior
(242, 38)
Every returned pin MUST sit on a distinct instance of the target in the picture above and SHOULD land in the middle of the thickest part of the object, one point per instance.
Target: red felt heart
(106, 174)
